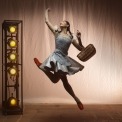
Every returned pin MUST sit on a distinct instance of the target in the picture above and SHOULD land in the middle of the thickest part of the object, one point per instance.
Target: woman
(58, 64)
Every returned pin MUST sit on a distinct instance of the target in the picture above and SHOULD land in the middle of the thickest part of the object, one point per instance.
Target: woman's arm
(79, 47)
(79, 38)
(77, 41)
(51, 27)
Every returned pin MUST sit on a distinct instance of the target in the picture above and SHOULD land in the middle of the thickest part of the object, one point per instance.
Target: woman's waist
(61, 51)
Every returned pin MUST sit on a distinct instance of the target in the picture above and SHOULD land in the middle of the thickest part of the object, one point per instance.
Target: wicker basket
(87, 53)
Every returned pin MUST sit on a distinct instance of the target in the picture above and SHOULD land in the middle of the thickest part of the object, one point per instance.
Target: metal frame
(19, 65)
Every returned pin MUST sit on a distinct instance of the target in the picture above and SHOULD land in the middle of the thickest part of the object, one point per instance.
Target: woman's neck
(64, 31)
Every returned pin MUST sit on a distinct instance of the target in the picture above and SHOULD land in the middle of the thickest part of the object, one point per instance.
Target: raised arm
(51, 27)
(77, 41)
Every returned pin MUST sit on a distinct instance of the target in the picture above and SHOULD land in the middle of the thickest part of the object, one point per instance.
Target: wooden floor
(66, 113)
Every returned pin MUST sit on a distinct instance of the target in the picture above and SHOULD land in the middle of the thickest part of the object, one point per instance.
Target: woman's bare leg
(69, 89)
(53, 77)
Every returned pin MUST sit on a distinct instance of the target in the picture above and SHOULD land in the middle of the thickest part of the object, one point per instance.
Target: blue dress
(59, 61)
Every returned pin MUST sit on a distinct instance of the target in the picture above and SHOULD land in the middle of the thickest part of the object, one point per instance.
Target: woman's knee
(55, 81)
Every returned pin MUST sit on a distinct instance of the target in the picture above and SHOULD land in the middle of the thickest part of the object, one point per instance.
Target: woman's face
(63, 24)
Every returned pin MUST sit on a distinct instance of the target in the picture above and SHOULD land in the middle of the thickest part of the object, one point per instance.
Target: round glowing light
(13, 102)
(12, 29)
(13, 71)
(12, 56)
(12, 43)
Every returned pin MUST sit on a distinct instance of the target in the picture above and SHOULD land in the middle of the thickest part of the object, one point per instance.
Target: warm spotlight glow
(12, 71)
(12, 43)
(13, 102)
(12, 56)
(12, 29)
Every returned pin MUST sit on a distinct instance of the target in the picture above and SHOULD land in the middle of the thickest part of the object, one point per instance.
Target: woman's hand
(78, 34)
(46, 14)
(48, 9)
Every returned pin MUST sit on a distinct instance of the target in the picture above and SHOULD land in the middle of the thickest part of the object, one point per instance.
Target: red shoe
(37, 62)
(80, 105)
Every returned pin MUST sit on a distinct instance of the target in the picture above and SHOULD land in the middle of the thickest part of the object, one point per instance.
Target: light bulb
(12, 29)
(12, 56)
(12, 43)
(13, 71)
(13, 102)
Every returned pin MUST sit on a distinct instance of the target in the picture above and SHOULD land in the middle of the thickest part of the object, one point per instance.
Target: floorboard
(66, 113)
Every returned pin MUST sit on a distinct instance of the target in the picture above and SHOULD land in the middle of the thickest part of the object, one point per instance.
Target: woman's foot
(80, 105)
(37, 62)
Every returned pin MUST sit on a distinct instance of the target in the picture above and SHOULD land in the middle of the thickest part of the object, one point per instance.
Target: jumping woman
(58, 65)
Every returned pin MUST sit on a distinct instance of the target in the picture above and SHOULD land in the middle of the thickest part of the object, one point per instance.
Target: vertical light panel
(12, 72)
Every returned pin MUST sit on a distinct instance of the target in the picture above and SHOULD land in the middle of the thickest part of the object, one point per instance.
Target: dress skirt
(61, 63)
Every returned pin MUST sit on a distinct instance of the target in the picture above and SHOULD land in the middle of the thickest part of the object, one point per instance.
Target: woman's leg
(69, 89)
(53, 77)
